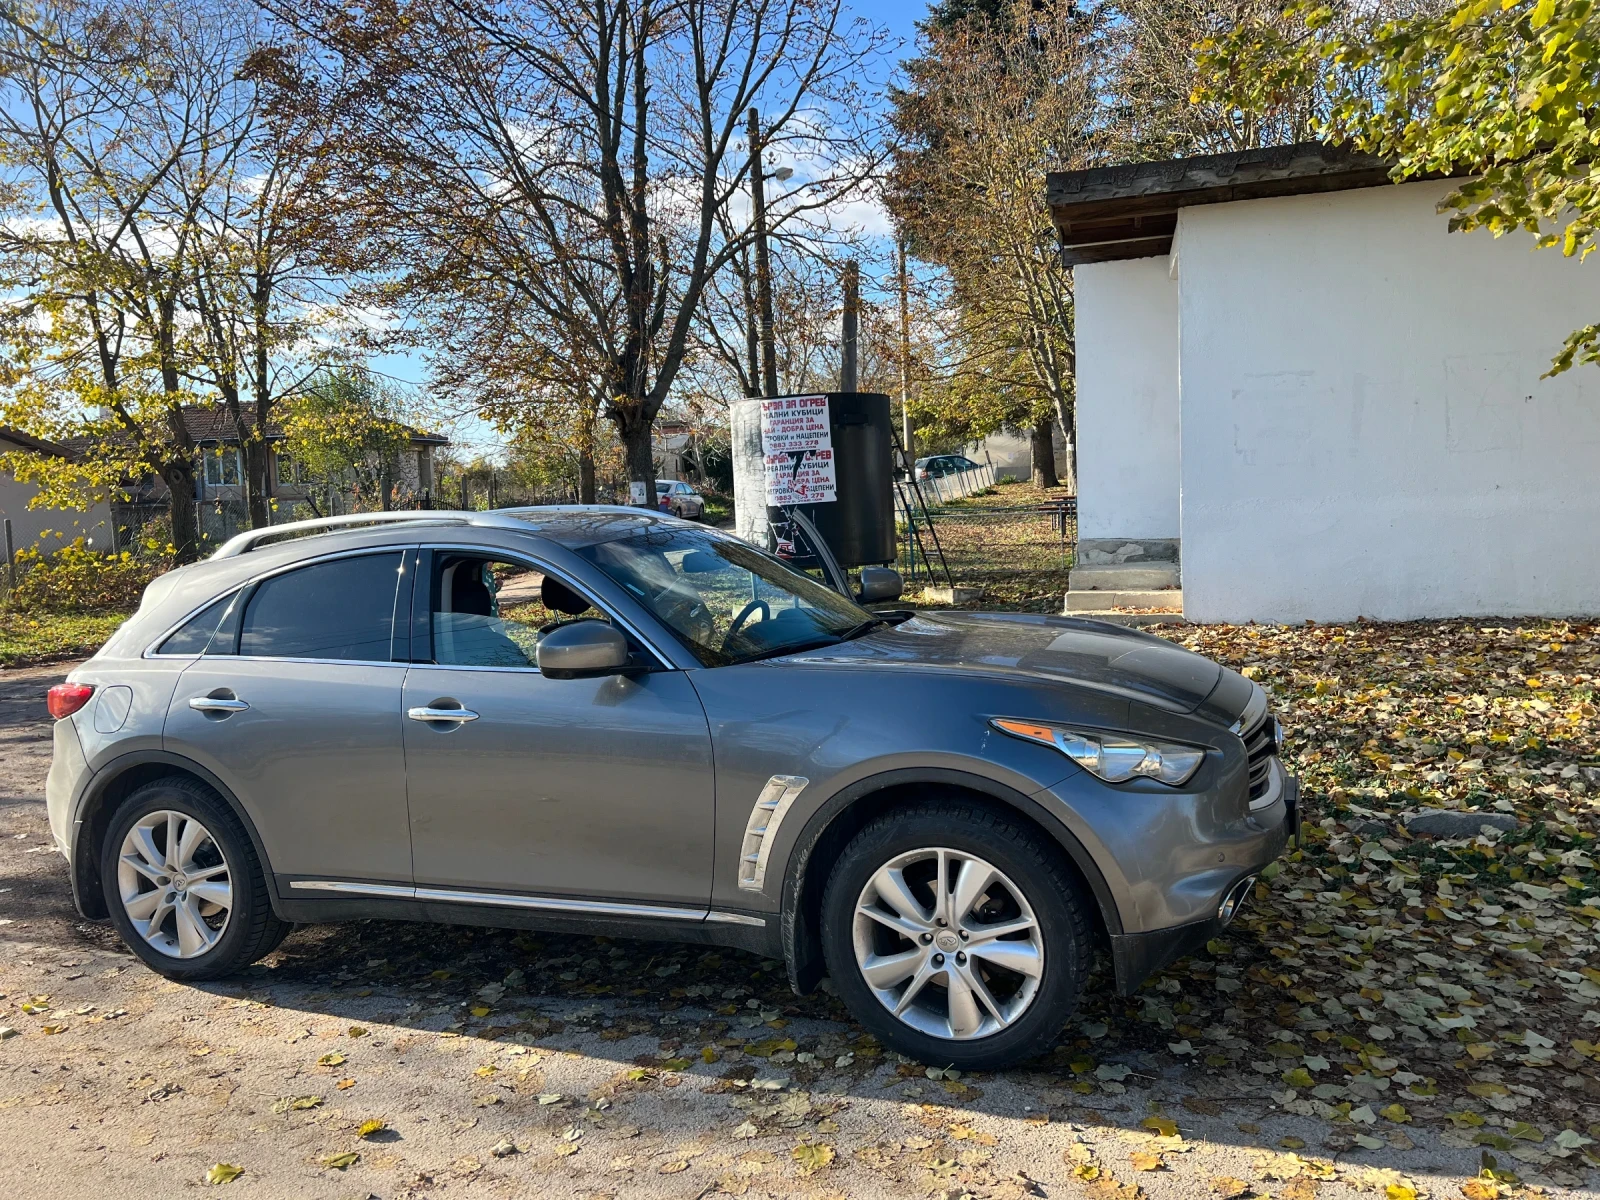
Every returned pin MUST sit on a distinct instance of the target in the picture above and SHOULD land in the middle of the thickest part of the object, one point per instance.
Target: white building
(40, 527)
(1302, 397)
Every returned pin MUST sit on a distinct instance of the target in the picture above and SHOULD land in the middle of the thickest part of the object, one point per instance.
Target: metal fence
(1012, 551)
(943, 489)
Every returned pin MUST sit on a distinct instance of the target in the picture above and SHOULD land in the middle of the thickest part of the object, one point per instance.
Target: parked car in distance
(680, 499)
(938, 465)
(604, 720)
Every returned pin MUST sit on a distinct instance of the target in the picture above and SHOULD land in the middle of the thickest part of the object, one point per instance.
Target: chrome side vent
(759, 832)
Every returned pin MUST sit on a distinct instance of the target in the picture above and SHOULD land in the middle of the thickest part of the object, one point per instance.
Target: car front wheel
(183, 883)
(957, 935)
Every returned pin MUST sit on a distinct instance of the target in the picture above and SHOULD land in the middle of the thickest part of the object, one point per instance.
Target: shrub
(78, 579)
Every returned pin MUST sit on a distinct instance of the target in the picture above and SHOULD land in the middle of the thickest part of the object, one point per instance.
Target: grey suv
(607, 720)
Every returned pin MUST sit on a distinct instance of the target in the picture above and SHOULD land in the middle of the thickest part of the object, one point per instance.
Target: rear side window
(342, 610)
(194, 635)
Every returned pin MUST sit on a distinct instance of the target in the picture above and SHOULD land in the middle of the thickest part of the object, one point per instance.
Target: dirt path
(508, 1065)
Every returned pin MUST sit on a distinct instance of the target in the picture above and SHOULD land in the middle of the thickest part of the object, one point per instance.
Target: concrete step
(1117, 616)
(1123, 577)
(1162, 600)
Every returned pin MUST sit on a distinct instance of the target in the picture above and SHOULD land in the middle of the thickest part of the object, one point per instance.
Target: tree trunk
(1044, 454)
(386, 486)
(178, 475)
(640, 456)
(257, 454)
(1069, 431)
(586, 488)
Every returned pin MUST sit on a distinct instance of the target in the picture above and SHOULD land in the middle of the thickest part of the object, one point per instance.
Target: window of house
(222, 465)
(289, 471)
(342, 609)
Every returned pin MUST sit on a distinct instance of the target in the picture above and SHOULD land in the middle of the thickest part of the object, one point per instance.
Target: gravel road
(503, 1064)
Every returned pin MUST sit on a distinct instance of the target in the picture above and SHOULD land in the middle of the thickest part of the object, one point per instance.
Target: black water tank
(859, 525)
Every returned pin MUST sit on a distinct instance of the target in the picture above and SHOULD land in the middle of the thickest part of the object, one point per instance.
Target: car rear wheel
(183, 884)
(957, 935)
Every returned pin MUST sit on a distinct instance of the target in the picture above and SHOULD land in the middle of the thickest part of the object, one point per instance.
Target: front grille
(1261, 744)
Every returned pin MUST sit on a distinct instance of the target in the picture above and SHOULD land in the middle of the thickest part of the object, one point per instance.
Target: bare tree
(577, 157)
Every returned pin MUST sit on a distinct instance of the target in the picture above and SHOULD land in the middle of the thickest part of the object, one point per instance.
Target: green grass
(27, 638)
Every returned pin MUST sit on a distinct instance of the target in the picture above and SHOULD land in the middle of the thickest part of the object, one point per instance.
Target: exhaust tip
(1234, 900)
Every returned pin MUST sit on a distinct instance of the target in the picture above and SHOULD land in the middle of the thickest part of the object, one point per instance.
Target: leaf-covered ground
(1386, 981)
(1396, 1015)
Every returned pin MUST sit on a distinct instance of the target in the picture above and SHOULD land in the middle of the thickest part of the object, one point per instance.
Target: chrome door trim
(599, 908)
(728, 918)
(502, 554)
(355, 889)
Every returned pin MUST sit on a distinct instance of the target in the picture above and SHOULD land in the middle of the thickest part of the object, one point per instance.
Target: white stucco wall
(1365, 430)
(1127, 340)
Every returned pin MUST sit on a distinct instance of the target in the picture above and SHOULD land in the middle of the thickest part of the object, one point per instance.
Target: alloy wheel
(175, 884)
(948, 943)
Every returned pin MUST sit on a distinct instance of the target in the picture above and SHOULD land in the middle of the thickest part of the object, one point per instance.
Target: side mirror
(583, 648)
(879, 584)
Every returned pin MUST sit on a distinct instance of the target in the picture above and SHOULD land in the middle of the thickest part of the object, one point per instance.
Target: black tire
(1031, 862)
(251, 930)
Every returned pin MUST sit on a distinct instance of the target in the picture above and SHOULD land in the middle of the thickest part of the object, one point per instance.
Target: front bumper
(1137, 956)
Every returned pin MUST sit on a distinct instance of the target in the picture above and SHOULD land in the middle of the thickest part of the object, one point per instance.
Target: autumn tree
(111, 124)
(575, 158)
(345, 429)
(992, 103)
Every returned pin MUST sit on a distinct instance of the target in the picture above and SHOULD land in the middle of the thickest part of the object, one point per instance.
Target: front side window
(342, 610)
(724, 600)
(491, 613)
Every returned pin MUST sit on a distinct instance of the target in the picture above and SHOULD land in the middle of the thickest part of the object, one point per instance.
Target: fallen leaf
(330, 1060)
(1227, 1187)
(673, 1167)
(1145, 1160)
(221, 1173)
(812, 1156)
(1165, 1126)
(371, 1128)
(340, 1161)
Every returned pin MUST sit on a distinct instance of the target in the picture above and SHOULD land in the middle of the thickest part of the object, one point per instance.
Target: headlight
(1115, 758)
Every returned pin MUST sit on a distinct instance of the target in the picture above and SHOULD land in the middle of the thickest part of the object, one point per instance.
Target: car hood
(1091, 654)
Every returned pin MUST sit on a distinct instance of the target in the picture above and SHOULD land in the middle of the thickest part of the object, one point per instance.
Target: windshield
(724, 600)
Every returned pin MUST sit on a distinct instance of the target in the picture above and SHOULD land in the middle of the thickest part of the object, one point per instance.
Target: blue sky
(473, 436)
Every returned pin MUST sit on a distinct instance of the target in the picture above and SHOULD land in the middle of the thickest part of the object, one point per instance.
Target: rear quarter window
(194, 636)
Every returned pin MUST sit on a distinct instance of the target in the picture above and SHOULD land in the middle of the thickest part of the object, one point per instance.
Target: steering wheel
(744, 615)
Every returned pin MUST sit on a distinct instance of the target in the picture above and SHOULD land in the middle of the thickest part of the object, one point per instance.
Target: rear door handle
(217, 705)
(441, 714)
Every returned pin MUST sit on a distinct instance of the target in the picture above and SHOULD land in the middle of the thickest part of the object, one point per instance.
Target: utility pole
(758, 203)
(852, 310)
(905, 354)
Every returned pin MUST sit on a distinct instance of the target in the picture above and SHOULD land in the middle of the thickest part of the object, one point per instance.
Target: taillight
(67, 698)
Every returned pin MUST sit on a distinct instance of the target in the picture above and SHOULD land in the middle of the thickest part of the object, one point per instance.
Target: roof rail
(245, 542)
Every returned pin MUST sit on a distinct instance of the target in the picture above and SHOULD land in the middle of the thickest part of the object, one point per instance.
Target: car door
(596, 789)
(295, 707)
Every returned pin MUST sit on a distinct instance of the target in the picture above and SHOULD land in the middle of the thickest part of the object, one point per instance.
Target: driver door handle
(216, 704)
(441, 714)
